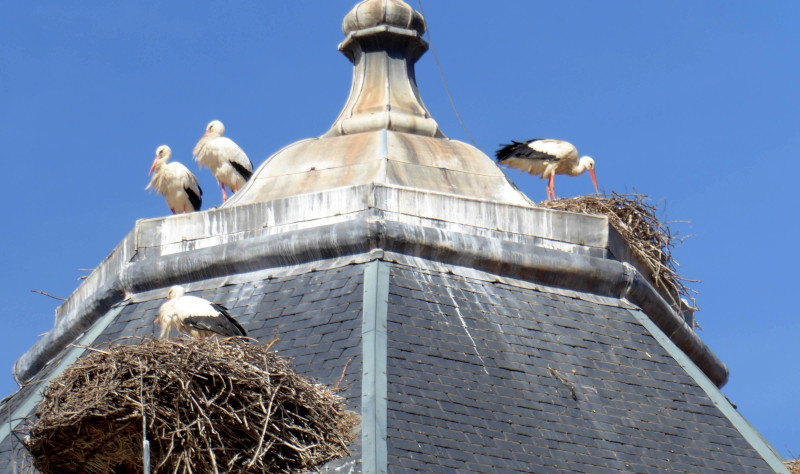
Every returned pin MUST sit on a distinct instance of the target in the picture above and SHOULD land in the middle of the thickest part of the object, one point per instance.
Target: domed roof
(384, 134)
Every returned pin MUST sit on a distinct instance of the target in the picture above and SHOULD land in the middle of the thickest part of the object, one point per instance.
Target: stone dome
(385, 134)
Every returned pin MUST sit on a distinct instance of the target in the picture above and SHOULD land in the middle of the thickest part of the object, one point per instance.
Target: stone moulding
(367, 233)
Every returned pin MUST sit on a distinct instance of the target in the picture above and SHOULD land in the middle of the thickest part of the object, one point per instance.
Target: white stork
(195, 316)
(546, 158)
(226, 160)
(176, 183)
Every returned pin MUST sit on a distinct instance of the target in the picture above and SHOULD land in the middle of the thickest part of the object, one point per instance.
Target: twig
(48, 294)
(272, 343)
(78, 346)
(344, 370)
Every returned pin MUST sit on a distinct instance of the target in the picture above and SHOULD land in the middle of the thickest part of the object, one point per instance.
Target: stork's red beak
(152, 167)
(594, 180)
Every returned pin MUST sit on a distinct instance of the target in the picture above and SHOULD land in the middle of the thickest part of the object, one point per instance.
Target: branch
(343, 372)
(47, 294)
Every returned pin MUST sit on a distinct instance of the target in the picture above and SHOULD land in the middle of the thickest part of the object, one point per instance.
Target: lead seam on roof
(374, 381)
(749, 433)
(27, 406)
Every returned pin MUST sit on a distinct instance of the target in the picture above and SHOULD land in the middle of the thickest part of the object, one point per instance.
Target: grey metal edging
(752, 436)
(71, 356)
(373, 381)
(372, 232)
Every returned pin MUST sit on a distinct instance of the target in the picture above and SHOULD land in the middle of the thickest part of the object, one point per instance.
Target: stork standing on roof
(226, 160)
(176, 183)
(546, 158)
(195, 316)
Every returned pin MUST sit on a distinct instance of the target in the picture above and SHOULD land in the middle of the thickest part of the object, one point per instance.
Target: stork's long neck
(200, 144)
(158, 178)
(205, 139)
(578, 167)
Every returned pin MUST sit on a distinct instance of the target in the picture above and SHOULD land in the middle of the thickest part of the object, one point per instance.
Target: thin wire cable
(441, 73)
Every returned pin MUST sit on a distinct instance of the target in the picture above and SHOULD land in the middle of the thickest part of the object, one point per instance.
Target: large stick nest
(208, 405)
(650, 240)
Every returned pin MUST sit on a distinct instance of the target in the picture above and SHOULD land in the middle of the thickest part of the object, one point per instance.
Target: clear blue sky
(693, 102)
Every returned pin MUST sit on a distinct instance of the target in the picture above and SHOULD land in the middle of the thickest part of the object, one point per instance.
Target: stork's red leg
(224, 196)
(236, 187)
(552, 187)
(173, 210)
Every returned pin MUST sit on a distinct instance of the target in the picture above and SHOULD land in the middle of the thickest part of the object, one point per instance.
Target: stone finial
(383, 41)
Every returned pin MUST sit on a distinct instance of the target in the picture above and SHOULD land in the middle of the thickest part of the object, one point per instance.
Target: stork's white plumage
(176, 183)
(546, 158)
(195, 316)
(226, 160)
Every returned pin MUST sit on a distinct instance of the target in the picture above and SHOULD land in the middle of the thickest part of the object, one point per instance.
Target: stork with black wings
(195, 316)
(227, 161)
(176, 183)
(546, 158)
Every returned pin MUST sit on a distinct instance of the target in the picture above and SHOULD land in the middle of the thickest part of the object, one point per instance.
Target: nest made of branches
(208, 406)
(650, 240)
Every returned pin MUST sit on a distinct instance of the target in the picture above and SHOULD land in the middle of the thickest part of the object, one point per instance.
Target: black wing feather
(196, 200)
(230, 318)
(523, 150)
(246, 173)
(226, 326)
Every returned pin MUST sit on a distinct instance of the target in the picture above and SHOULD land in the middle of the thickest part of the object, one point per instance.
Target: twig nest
(208, 406)
(650, 240)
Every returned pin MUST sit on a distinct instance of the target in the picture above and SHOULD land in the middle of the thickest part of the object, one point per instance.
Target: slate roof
(481, 376)
(487, 377)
